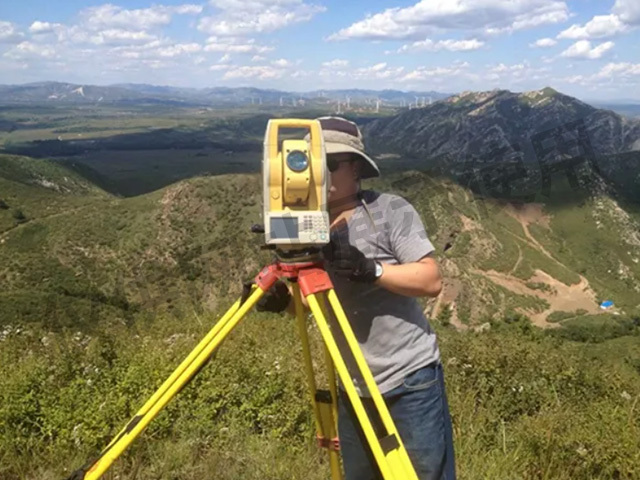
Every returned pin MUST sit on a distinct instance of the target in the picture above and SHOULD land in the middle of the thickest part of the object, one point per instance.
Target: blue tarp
(606, 304)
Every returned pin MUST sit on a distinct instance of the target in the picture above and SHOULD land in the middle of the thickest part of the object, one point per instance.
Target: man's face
(344, 179)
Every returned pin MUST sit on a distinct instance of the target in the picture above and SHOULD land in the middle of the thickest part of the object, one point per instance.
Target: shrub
(444, 316)
(19, 216)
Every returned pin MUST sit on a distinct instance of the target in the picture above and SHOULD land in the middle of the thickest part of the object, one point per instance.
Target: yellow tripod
(312, 281)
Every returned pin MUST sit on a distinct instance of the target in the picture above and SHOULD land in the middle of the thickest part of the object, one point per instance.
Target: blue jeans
(420, 412)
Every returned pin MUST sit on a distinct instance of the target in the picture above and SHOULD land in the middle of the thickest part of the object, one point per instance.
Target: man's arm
(414, 279)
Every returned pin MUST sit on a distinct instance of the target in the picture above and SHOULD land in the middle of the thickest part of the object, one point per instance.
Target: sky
(589, 49)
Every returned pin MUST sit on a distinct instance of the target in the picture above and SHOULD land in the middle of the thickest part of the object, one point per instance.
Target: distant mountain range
(67, 93)
(514, 140)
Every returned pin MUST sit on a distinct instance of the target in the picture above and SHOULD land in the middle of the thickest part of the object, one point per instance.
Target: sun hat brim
(369, 169)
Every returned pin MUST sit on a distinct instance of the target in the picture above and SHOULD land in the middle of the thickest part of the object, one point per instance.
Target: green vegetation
(595, 239)
(540, 286)
(444, 316)
(559, 316)
(524, 404)
(597, 328)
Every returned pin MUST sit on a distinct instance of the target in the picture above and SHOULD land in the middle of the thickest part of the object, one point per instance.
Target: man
(379, 260)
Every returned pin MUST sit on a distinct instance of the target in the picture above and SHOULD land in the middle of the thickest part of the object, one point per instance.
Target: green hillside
(97, 256)
(188, 246)
(31, 189)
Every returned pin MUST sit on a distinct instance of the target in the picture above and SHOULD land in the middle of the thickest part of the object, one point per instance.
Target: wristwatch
(378, 270)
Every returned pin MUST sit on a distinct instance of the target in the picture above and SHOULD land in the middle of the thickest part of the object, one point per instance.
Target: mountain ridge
(503, 137)
(63, 92)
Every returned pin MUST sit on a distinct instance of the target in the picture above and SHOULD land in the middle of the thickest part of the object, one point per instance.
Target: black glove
(350, 262)
(276, 299)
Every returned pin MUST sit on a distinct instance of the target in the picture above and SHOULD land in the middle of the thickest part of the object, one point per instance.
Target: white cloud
(29, 50)
(614, 75)
(108, 25)
(115, 36)
(503, 75)
(628, 11)
(450, 45)
(256, 16)
(574, 79)
(130, 54)
(262, 72)
(545, 13)
(622, 69)
(598, 27)
(429, 17)
(281, 63)
(543, 43)
(219, 67)
(225, 58)
(113, 16)
(517, 69)
(9, 33)
(187, 9)
(436, 73)
(336, 63)
(376, 72)
(258, 58)
(583, 49)
(379, 71)
(39, 27)
(159, 52)
(251, 6)
(155, 64)
(235, 45)
(179, 49)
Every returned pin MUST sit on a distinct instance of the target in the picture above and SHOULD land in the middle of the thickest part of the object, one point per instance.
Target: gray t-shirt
(393, 332)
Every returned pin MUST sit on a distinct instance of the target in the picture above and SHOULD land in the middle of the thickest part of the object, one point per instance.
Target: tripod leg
(169, 389)
(183, 366)
(331, 374)
(325, 419)
(388, 451)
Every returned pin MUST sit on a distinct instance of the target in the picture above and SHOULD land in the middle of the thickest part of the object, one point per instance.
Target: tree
(3, 205)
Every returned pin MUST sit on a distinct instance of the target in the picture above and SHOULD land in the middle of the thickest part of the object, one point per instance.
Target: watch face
(378, 270)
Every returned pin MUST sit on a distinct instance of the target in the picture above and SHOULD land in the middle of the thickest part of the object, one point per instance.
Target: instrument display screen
(284, 227)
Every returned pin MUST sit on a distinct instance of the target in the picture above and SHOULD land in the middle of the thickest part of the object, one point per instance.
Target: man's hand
(276, 299)
(350, 262)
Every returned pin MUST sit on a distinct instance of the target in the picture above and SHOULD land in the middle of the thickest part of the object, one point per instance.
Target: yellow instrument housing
(295, 198)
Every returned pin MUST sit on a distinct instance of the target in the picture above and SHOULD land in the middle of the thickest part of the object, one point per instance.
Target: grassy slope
(597, 240)
(524, 404)
(40, 188)
(164, 248)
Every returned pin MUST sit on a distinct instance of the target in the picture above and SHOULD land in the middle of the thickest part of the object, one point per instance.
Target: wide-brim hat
(344, 136)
